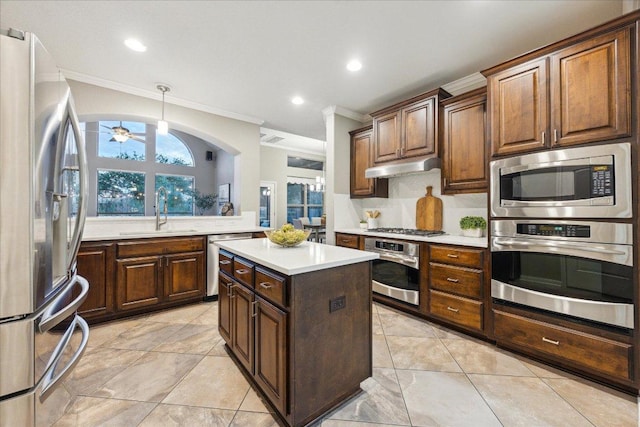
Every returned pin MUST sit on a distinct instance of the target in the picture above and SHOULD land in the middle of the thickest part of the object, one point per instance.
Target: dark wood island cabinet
(302, 334)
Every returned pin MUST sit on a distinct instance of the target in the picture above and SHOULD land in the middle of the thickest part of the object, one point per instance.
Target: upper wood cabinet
(361, 159)
(578, 94)
(465, 153)
(409, 128)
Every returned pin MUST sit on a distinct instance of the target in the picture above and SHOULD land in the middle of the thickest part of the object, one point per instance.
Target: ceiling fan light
(163, 127)
(120, 138)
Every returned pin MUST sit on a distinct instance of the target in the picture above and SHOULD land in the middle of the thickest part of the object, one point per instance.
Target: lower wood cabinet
(96, 263)
(588, 351)
(303, 355)
(133, 276)
(349, 241)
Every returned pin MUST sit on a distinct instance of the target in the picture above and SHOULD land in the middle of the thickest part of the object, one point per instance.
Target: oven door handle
(618, 254)
(400, 259)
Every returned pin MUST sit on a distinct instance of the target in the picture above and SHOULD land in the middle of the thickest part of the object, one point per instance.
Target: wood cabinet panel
(243, 271)
(465, 151)
(459, 310)
(144, 247)
(362, 153)
(456, 255)
(184, 277)
(591, 90)
(138, 282)
(519, 106)
(225, 285)
(584, 350)
(271, 352)
(387, 137)
(457, 280)
(96, 263)
(418, 124)
(271, 286)
(348, 240)
(242, 334)
(225, 262)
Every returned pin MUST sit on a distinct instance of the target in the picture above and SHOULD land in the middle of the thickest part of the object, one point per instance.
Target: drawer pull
(449, 279)
(230, 293)
(242, 271)
(266, 285)
(545, 339)
(253, 308)
(452, 256)
(455, 310)
(225, 261)
(345, 241)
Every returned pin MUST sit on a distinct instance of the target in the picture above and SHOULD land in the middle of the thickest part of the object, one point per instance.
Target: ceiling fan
(122, 134)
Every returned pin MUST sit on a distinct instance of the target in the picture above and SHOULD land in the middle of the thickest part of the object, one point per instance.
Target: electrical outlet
(337, 304)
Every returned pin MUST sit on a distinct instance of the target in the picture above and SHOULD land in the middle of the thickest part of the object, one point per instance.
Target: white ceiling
(247, 59)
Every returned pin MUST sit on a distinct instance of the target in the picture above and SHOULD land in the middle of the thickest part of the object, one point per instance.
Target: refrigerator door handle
(52, 315)
(74, 246)
(50, 382)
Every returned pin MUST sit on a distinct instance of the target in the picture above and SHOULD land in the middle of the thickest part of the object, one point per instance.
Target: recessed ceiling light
(354, 65)
(136, 45)
(297, 100)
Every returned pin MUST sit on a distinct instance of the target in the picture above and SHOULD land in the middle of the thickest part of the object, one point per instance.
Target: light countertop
(304, 258)
(447, 239)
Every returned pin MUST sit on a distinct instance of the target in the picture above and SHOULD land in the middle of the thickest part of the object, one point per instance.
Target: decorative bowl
(289, 238)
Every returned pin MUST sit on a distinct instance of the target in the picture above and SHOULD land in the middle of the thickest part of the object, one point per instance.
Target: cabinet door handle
(242, 271)
(452, 256)
(266, 285)
(543, 137)
(449, 279)
(547, 340)
(230, 291)
(555, 136)
(397, 152)
(401, 151)
(253, 309)
(224, 262)
(455, 310)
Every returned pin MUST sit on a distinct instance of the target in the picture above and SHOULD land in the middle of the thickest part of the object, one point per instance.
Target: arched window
(171, 150)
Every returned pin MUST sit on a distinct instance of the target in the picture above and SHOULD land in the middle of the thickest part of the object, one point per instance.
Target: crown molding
(465, 84)
(120, 87)
(344, 112)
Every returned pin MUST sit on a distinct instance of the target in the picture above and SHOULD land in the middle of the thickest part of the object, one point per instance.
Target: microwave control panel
(556, 230)
(602, 181)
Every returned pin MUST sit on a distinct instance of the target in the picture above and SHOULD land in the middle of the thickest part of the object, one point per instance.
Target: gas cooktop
(408, 231)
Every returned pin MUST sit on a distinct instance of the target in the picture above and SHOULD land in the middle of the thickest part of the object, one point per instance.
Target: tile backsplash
(399, 210)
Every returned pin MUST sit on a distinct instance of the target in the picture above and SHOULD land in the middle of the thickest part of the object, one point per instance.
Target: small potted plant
(473, 226)
(363, 224)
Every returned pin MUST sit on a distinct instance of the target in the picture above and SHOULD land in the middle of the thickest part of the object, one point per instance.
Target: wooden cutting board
(429, 212)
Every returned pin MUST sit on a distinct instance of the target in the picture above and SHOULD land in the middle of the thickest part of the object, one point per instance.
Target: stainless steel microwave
(585, 182)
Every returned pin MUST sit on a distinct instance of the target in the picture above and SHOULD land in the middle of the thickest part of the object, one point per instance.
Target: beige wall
(236, 137)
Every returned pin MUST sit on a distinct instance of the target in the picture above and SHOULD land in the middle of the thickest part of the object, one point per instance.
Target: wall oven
(576, 268)
(585, 182)
(396, 273)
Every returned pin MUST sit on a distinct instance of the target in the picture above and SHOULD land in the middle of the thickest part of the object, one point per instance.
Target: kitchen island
(298, 322)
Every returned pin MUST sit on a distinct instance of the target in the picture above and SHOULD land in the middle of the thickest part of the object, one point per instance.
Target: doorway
(267, 204)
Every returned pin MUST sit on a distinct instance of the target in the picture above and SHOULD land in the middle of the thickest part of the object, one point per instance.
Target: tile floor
(170, 369)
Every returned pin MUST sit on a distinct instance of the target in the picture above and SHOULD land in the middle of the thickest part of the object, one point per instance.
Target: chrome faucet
(165, 210)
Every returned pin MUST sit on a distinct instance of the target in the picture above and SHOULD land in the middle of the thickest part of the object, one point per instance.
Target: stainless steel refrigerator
(43, 187)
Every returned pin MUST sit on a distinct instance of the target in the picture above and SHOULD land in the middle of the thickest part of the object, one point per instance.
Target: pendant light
(163, 126)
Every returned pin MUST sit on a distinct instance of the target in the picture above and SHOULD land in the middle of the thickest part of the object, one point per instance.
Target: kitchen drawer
(271, 286)
(243, 271)
(348, 240)
(225, 262)
(147, 247)
(459, 310)
(601, 354)
(455, 255)
(458, 280)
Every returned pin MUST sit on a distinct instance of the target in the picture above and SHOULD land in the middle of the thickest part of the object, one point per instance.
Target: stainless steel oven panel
(619, 254)
(605, 312)
(406, 295)
(601, 232)
(558, 209)
(410, 249)
(400, 259)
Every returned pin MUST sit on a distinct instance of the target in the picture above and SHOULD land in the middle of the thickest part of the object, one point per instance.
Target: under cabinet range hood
(405, 168)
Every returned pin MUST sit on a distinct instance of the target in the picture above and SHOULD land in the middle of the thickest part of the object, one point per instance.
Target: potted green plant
(363, 223)
(202, 201)
(473, 226)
